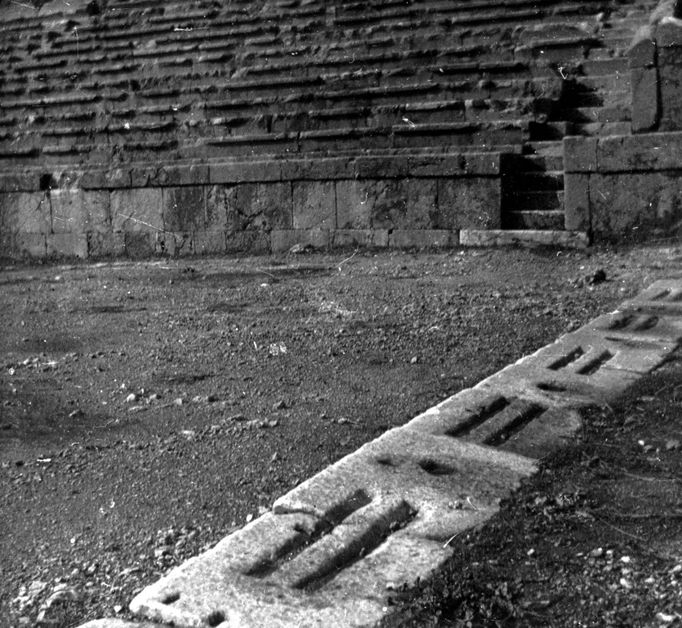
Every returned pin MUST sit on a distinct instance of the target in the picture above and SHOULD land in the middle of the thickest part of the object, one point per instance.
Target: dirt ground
(147, 409)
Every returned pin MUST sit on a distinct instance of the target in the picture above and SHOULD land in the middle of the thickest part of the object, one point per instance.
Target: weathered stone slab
(580, 369)
(631, 324)
(663, 296)
(645, 99)
(580, 154)
(244, 172)
(169, 175)
(469, 203)
(639, 153)
(27, 181)
(642, 53)
(359, 237)
(67, 245)
(283, 239)
(323, 169)
(184, 208)
(511, 423)
(173, 243)
(30, 244)
(79, 211)
(634, 205)
(139, 244)
(137, 209)
(106, 244)
(422, 238)
(314, 205)
(493, 237)
(577, 202)
(25, 212)
(209, 242)
(335, 547)
(399, 203)
(353, 204)
(250, 241)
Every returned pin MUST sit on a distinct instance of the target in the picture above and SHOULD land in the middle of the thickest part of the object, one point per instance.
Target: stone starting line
(331, 551)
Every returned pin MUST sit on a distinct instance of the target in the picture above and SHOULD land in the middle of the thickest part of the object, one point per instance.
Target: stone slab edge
(633, 341)
(497, 237)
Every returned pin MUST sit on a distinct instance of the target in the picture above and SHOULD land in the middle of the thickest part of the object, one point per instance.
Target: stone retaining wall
(251, 206)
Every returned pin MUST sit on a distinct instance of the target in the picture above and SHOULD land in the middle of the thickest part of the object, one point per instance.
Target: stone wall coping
(483, 164)
(646, 152)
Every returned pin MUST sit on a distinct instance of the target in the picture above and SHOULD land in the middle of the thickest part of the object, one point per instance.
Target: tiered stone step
(532, 188)
(265, 80)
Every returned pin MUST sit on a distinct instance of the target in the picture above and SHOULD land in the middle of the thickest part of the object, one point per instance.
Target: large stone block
(243, 172)
(140, 244)
(209, 242)
(252, 241)
(389, 204)
(137, 209)
(526, 237)
(283, 239)
(318, 169)
(332, 550)
(422, 238)
(25, 212)
(31, 245)
(184, 208)
(642, 53)
(353, 204)
(637, 153)
(174, 243)
(360, 237)
(249, 207)
(580, 154)
(576, 202)
(27, 181)
(632, 206)
(670, 87)
(645, 104)
(67, 245)
(101, 244)
(469, 203)
(169, 175)
(80, 211)
(314, 205)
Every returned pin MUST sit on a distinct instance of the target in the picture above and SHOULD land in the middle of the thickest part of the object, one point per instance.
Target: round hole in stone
(215, 618)
(169, 598)
(433, 467)
(550, 387)
(385, 461)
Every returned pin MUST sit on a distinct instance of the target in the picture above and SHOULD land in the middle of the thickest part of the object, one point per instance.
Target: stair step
(533, 163)
(533, 199)
(616, 113)
(544, 148)
(535, 181)
(534, 219)
(603, 128)
(552, 130)
(601, 67)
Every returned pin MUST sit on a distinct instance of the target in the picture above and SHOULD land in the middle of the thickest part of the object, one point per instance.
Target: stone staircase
(595, 101)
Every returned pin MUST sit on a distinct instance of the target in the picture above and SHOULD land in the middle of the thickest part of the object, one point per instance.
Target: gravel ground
(148, 409)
